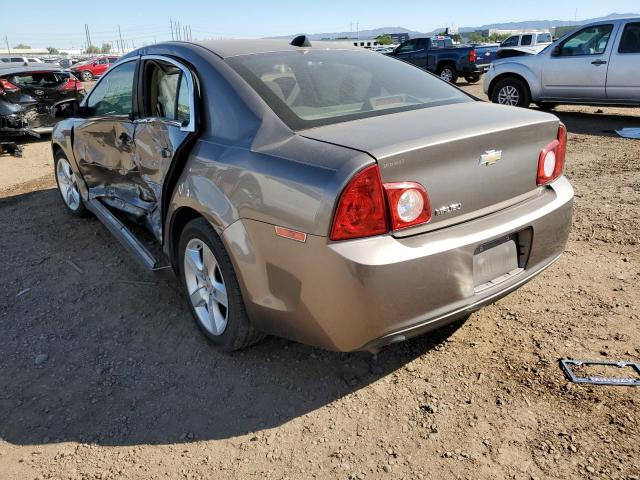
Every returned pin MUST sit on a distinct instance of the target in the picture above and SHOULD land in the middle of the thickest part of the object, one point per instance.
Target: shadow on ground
(596, 123)
(94, 349)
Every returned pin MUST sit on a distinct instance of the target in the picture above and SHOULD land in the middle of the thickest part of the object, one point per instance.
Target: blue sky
(61, 24)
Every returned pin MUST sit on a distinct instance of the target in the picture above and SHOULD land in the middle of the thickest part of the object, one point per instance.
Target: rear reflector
(361, 210)
(552, 158)
(291, 234)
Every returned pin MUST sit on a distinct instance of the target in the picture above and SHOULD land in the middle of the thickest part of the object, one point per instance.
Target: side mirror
(556, 51)
(65, 109)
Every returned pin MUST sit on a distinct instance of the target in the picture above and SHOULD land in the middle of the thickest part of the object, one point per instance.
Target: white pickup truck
(597, 64)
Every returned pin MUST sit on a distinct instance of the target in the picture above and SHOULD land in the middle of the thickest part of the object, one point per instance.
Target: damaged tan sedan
(326, 194)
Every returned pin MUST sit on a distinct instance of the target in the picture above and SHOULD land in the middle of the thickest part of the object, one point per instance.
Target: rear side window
(630, 41)
(113, 95)
(526, 40)
(311, 88)
(166, 92)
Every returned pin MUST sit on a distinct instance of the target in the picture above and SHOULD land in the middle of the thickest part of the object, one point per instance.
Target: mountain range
(524, 25)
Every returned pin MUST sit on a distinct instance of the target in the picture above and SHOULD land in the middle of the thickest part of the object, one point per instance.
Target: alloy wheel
(206, 286)
(446, 74)
(67, 184)
(509, 95)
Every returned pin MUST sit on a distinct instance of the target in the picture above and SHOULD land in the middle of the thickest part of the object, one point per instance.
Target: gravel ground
(105, 376)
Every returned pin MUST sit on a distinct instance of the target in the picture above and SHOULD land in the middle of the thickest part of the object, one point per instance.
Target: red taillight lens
(8, 86)
(408, 204)
(72, 84)
(473, 55)
(363, 212)
(552, 157)
(361, 209)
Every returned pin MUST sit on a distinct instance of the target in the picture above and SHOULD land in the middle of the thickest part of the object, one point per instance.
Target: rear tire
(211, 286)
(447, 72)
(511, 91)
(68, 185)
(86, 76)
(472, 78)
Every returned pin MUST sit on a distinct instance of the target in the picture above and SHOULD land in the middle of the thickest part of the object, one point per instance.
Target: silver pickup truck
(596, 64)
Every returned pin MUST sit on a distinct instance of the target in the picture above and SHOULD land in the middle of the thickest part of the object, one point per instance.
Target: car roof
(233, 48)
(42, 67)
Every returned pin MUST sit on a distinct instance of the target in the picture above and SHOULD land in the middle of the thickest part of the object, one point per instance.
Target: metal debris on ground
(633, 133)
(632, 381)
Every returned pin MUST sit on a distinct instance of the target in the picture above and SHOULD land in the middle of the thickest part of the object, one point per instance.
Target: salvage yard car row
(28, 89)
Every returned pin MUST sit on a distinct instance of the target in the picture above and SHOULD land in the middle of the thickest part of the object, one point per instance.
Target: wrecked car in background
(329, 195)
(93, 68)
(37, 88)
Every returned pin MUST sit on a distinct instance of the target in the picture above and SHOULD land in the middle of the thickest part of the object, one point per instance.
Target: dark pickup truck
(438, 55)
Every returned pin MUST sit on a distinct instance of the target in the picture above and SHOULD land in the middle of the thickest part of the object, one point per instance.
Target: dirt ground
(105, 376)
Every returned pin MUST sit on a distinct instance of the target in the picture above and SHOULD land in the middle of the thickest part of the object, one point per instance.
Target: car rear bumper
(367, 293)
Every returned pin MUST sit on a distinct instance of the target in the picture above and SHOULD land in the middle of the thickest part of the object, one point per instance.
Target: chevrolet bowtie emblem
(490, 157)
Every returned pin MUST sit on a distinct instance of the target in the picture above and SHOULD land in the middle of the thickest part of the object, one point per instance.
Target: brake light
(8, 86)
(473, 55)
(408, 204)
(363, 212)
(361, 209)
(552, 158)
(72, 84)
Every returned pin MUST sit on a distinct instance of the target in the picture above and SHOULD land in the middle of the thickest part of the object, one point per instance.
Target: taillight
(408, 204)
(361, 209)
(363, 212)
(72, 84)
(8, 86)
(552, 157)
(473, 55)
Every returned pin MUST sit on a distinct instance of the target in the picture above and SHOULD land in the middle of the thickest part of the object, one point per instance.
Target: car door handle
(166, 153)
(599, 62)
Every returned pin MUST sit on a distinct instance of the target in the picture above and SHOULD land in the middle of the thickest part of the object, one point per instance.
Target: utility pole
(6, 40)
(120, 35)
(171, 26)
(190, 35)
(358, 30)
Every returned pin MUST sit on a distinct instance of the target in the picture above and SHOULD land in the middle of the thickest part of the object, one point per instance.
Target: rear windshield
(309, 88)
(39, 79)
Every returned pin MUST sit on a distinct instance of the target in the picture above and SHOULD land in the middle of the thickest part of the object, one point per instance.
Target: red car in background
(93, 68)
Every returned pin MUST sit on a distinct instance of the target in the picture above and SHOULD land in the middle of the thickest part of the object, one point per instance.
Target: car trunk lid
(473, 158)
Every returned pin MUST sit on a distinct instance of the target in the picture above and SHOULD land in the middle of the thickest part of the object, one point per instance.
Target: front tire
(513, 92)
(447, 72)
(68, 186)
(212, 288)
(86, 76)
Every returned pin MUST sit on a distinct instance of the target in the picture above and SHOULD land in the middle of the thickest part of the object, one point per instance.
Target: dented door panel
(156, 141)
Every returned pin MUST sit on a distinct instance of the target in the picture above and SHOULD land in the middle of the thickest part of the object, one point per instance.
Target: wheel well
(504, 76)
(446, 62)
(55, 148)
(180, 218)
